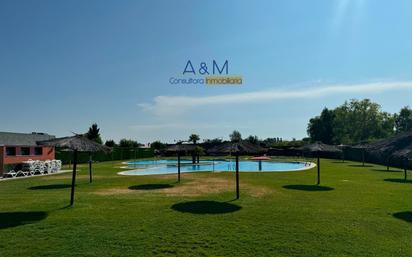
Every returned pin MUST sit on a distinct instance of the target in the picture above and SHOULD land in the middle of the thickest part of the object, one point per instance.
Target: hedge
(118, 153)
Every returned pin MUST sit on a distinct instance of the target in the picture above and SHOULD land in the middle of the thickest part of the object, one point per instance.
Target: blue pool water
(149, 167)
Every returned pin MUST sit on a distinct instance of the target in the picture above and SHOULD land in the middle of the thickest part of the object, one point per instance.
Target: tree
(403, 120)
(235, 136)
(157, 145)
(361, 120)
(110, 143)
(214, 140)
(194, 138)
(253, 139)
(353, 122)
(320, 128)
(128, 143)
(388, 124)
(94, 134)
(197, 152)
(279, 142)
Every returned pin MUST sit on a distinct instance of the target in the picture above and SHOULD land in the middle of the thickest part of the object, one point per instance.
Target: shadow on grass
(308, 187)
(360, 165)
(14, 219)
(398, 180)
(53, 186)
(150, 186)
(405, 216)
(206, 207)
(386, 170)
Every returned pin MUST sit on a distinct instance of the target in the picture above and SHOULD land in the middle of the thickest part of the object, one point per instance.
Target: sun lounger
(22, 172)
(11, 173)
(31, 168)
(17, 173)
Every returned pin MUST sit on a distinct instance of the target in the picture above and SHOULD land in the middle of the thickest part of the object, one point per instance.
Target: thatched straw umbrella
(404, 154)
(260, 159)
(317, 149)
(386, 148)
(342, 147)
(77, 143)
(237, 148)
(180, 148)
(362, 148)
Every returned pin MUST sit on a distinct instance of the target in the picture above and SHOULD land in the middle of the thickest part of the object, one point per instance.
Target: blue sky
(67, 64)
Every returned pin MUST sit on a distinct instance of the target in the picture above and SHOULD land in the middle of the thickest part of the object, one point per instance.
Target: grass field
(360, 211)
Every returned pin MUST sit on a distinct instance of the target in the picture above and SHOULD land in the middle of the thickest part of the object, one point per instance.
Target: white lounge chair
(11, 173)
(22, 172)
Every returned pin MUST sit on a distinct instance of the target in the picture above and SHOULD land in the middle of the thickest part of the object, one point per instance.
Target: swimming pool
(161, 162)
(158, 167)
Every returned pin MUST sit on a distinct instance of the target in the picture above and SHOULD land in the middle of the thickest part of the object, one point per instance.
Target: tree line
(353, 122)
(358, 121)
(93, 133)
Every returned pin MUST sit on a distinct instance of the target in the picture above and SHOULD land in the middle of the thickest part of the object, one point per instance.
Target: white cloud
(173, 105)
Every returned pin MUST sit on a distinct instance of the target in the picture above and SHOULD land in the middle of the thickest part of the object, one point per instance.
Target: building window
(11, 151)
(25, 151)
(38, 151)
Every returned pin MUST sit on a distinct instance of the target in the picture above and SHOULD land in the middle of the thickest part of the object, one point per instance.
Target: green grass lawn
(361, 211)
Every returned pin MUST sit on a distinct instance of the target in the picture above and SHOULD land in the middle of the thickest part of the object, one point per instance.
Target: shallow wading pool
(158, 167)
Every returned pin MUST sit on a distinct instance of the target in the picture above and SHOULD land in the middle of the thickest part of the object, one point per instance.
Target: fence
(118, 153)
(123, 153)
(349, 153)
(355, 154)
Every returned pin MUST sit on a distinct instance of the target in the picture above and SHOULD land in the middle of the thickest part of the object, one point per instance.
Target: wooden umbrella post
(135, 154)
(405, 169)
(90, 167)
(237, 176)
(363, 157)
(213, 164)
(234, 149)
(76, 143)
(178, 166)
(318, 170)
(73, 177)
(387, 164)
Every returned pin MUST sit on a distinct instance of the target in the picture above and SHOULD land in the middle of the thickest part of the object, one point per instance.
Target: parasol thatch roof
(319, 147)
(242, 147)
(399, 146)
(181, 148)
(405, 153)
(77, 142)
(361, 146)
(342, 146)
